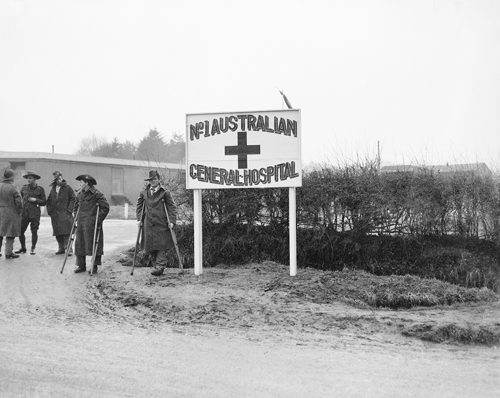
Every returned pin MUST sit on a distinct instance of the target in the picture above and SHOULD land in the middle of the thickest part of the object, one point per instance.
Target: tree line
(152, 147)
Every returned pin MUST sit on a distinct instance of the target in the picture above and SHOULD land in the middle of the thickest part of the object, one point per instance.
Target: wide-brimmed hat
(8, 175)
(87, 178)
(31, 173)
(153, 174)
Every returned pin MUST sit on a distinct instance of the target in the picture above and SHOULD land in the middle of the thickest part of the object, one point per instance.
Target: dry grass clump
(412, 291)
(362, 288)
(450, 333)
(263, 295)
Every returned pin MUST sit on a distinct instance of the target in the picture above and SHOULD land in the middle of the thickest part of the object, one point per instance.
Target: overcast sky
(421, 78)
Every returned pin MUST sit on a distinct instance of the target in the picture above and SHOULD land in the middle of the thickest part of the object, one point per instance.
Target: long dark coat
(11, 207)
(31, 210)
(156, 235)
(87, 202)
(60, 208)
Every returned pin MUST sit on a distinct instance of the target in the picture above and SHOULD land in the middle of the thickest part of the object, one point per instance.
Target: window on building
(18, 165)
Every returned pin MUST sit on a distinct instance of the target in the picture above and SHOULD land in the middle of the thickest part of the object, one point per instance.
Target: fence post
(293, 230)
(198, 236)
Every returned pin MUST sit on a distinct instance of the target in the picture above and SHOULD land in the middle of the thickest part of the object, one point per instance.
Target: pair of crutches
(95, 242)
(141, 227)
(71, 238)
(174, 238)
(97, 235)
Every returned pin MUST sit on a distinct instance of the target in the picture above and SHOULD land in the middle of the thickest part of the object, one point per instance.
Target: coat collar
(91, 190)
(63, 183)
(149, 187)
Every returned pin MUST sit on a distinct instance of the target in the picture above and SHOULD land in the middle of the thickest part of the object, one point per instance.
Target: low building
(120, 180)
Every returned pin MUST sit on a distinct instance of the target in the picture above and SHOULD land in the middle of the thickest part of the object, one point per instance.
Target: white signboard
(260, 149)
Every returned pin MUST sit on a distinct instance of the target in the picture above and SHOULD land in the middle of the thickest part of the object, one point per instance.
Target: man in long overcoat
(87, 200)
(33, 197)
(156, 235)
(60, 204)
(11, 207)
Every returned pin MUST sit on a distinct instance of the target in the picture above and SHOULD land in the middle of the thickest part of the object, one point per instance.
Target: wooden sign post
(260, 149)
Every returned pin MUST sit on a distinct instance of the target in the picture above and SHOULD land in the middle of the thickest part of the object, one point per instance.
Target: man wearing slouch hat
(93, 206)
(33, 197)
(157, 238)
(11, 207)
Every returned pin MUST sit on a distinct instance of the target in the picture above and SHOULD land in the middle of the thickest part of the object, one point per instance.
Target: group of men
(85, 211)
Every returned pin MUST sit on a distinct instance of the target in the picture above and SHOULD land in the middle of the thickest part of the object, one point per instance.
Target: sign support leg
(198, 239)
(293, 230)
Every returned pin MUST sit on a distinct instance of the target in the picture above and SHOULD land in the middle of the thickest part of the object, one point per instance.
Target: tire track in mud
(27, 302)
(99, 306)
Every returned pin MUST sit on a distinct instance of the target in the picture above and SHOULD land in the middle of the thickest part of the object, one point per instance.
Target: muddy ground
(264, 297)
(241, 331)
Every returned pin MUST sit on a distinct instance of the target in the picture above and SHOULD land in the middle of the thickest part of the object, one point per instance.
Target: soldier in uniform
(11, 207)
(87, 200)
(157, 238)
(60, 204)
(33, 197)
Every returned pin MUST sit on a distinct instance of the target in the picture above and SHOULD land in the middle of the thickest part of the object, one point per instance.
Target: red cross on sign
(242, 150)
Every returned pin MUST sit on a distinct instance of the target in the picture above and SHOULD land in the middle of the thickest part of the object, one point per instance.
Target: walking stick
(71, 238)
(138, 236)
(96, 241)
(174, 238)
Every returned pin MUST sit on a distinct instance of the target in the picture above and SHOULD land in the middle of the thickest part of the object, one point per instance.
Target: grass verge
(450, 333)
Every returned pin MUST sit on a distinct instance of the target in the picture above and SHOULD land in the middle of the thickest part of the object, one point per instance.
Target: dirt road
(57, 339)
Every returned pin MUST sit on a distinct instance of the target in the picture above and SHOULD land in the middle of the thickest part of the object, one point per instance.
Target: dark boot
(34, 240)
(60, 244)
(81, 268)
(9, 248)
(157, 272)
(22, 241)
(65, 244)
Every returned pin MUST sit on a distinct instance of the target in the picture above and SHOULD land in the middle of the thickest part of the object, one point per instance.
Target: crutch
(96, 241)
(174, 238)
(138, 236)
(71, 238)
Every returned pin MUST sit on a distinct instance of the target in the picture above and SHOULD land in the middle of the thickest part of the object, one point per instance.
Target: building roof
(26, 156)
(477, 168)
